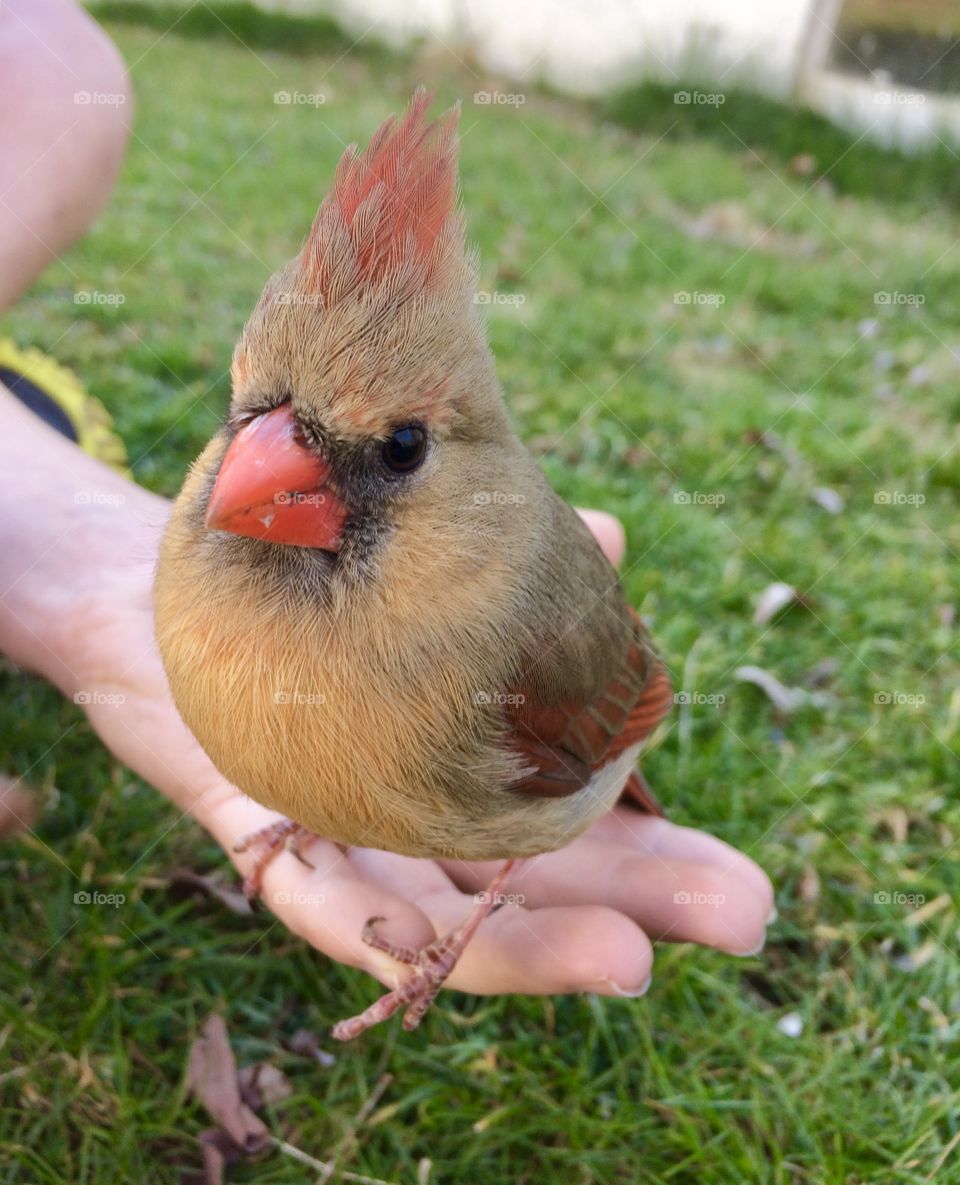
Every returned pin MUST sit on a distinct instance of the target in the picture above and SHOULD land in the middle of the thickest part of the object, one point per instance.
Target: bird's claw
(433, 964)
(403, 954)
(266, 844)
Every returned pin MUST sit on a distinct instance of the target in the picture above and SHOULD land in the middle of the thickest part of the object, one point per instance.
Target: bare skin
(75, 606)
(67, 107)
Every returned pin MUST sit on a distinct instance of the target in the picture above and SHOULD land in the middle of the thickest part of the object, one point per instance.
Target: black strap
(39, 402)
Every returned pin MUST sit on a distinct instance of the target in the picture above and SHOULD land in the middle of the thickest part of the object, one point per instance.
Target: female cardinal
(375, 614)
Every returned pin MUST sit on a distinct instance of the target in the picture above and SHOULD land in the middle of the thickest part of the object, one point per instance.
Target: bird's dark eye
(405, 449)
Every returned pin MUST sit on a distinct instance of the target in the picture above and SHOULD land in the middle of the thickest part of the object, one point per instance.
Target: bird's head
(363, 388)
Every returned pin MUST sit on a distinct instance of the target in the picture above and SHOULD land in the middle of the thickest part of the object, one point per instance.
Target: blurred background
(721, 277)
(847, 58)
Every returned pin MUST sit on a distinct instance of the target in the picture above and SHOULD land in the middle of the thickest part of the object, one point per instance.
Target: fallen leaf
(218, 1152)
(212, 1079)
(226, 894)
(786, 700)
(809, 888)
(18, 807)
(774, 598)
(263, 1084)
(896, 820)
(307, 1044)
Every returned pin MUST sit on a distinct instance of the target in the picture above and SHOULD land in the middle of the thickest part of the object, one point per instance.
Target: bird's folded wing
(566, 743)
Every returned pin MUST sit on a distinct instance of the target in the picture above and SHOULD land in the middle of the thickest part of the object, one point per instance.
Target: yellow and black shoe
(57, 396)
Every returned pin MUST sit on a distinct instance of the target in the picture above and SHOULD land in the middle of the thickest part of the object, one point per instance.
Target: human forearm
(69, 525)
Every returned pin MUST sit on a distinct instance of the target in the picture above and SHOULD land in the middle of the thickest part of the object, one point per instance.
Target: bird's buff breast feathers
(372, 727)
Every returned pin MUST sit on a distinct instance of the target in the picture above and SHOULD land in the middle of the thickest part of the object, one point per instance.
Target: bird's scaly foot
(433, 964)
(266, 844)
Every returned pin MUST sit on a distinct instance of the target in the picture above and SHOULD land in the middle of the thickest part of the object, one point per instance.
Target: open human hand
(78, 609)
(580, 919)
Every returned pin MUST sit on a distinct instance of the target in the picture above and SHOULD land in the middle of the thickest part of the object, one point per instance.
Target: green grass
(630, 398)
(234, 21)
(766, 131)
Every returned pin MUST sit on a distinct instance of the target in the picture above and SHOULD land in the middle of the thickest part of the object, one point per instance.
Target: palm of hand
(580, 919)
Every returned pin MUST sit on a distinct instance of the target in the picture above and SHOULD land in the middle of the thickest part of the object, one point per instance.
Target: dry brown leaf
(896, 820)
(307, 1044)
(809, 884)
(18, 807)
(218, 1151)
(212, 1079)
(227, 895)
(263, 1084)
(786, 700)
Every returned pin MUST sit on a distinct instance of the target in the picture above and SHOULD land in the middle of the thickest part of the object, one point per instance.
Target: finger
(609, 533)
(516, 949)
(647, 835)
(659, 837)
(325, 901)
(671, 898)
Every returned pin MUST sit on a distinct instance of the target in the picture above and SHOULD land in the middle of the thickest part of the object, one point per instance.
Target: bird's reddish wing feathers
(567, 743)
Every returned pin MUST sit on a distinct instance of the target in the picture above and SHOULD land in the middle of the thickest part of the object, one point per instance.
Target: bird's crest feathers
(375, 318)
(396, 201)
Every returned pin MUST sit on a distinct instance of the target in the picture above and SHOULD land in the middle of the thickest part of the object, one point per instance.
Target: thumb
(609, 533)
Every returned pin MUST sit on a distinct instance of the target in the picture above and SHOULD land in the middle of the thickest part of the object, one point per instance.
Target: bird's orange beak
(272, 487)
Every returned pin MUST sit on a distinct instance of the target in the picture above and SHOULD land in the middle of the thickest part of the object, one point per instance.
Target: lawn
(712, 325)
